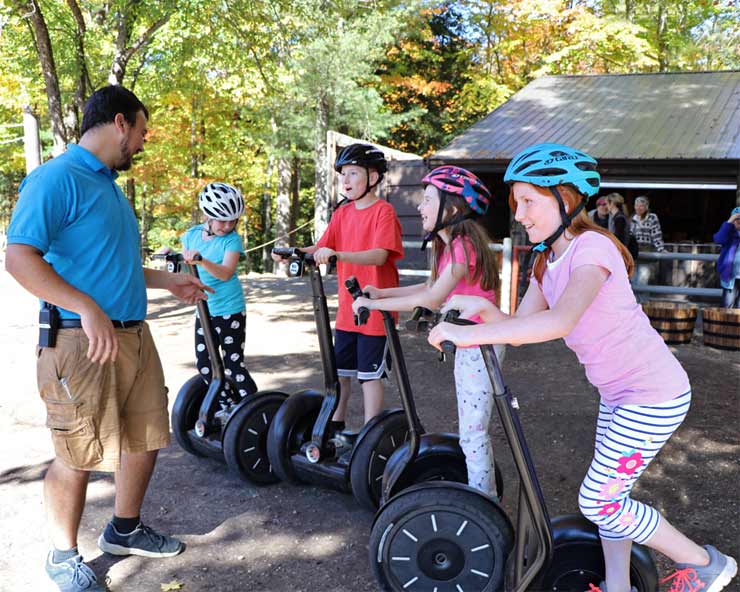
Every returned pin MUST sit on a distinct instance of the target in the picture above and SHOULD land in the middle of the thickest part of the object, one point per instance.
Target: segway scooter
(301, 446)
(422, 456)
(448, 537)
(240, 435)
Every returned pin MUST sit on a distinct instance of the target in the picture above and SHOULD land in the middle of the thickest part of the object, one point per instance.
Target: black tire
(370, 457)
(577, 564)
(440, 458)
(185, 412)
(578, 559)
(245, 438)
(445, 537)
(290, 429)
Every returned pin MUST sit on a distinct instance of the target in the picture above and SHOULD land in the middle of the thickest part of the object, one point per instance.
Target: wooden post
(31, 143)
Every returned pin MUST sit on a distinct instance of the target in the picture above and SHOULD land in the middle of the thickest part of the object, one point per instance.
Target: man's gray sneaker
(72, 575)
(709, 578)
(141, 541)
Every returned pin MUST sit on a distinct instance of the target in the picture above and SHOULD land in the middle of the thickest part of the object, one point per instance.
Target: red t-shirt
(350, 229)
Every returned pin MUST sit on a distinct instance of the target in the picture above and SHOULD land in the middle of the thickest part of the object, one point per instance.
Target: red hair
(580, 224)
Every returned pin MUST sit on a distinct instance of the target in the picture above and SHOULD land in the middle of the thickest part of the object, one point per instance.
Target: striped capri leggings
(628, 437)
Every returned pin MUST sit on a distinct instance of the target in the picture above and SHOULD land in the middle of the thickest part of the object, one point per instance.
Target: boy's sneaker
(141, 541)
(72, 575)
(708, 578)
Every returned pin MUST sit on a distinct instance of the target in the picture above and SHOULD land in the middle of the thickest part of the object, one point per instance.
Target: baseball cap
(601, 201)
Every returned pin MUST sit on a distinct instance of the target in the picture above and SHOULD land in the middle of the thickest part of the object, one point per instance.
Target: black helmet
(363, 155)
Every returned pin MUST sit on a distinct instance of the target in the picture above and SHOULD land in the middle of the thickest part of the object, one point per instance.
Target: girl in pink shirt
(462, 263)
(580, 291)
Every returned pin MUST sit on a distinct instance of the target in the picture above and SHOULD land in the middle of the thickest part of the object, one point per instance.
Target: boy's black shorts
(360, 355)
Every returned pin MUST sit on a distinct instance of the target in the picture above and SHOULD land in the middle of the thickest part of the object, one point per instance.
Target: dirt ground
(286, 538)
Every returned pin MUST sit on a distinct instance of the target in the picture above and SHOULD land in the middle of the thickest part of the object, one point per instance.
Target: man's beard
(126, 158)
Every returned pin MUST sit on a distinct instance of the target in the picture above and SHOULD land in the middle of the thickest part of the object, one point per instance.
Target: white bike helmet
(220, 201)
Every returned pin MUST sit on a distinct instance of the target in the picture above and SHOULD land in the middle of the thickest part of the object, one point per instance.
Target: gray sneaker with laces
(72, 575)
(141, 541)
(709, 578)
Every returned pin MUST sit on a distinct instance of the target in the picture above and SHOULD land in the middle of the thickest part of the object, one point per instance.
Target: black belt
(76, 324)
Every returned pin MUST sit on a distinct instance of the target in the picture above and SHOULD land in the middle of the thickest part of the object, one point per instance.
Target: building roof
(663, 116)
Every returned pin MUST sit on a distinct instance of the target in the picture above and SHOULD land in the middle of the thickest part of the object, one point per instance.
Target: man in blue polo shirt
(73, 241)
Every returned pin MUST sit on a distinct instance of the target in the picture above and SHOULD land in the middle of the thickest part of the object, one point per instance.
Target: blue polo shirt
(71, 209)
(228, 297)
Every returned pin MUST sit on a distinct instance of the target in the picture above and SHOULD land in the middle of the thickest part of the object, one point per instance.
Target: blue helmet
(547, 165)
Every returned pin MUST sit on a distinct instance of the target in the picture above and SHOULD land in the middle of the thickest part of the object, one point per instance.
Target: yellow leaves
(173, 585)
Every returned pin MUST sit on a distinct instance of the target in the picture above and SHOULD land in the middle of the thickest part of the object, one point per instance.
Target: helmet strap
(209, 232)
(439, 225)
(564, 217)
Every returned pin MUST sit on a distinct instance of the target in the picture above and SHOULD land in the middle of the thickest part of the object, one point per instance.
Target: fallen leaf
(173, 585)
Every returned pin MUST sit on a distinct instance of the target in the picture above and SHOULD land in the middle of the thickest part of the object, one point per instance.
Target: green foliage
(235, 85)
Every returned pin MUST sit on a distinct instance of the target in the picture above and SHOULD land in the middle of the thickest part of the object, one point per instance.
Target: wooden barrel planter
(674, 321)
(721, 327)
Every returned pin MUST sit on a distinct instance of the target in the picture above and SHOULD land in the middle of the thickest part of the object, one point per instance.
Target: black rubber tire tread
(366, 467)
(251, 466)
(466, 502)
(290, 428)
(587, 556)
(185, 412)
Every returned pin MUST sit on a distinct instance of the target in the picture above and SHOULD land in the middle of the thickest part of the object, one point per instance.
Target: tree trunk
(295, 190)
(266, 207)
(282, 203)
(194, 154)
(76, 107)
(662, 19)
(321, 199)
(51, 80)
(124, 51)
(31, 143)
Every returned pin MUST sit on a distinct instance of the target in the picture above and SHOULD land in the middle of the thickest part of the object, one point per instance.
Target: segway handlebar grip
(453, 316)
(353, 287)
(287, 252)
(419, 320)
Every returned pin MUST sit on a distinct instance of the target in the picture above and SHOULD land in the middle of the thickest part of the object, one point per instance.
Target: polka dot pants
(229, 333)
(474, 407)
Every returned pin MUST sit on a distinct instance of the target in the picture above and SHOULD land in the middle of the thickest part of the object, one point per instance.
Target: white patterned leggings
(474, 406)
(628, 437)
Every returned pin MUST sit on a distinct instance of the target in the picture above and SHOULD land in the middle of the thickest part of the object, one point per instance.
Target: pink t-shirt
(464, 286)
(624, 357)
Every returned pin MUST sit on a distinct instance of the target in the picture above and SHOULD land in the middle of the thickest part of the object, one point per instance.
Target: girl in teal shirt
(220, 247)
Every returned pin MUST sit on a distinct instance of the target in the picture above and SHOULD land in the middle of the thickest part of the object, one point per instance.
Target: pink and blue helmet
(459, 181)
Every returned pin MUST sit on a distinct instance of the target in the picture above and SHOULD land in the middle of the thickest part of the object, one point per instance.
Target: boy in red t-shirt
(365, 235)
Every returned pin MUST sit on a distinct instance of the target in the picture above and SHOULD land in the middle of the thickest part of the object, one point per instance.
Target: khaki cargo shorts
(95, 412)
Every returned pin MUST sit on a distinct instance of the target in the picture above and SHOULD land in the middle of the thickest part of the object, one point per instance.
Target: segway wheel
(443, 537)
(185, 412)
(440, 458)
(371, 456)
(578, 559)
(245, 438)
(290, 429)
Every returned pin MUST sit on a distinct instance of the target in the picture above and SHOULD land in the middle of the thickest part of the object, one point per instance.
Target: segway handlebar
(296, 253)
(421, 320)
(453, 316)
(174, 260)
(353, 287)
